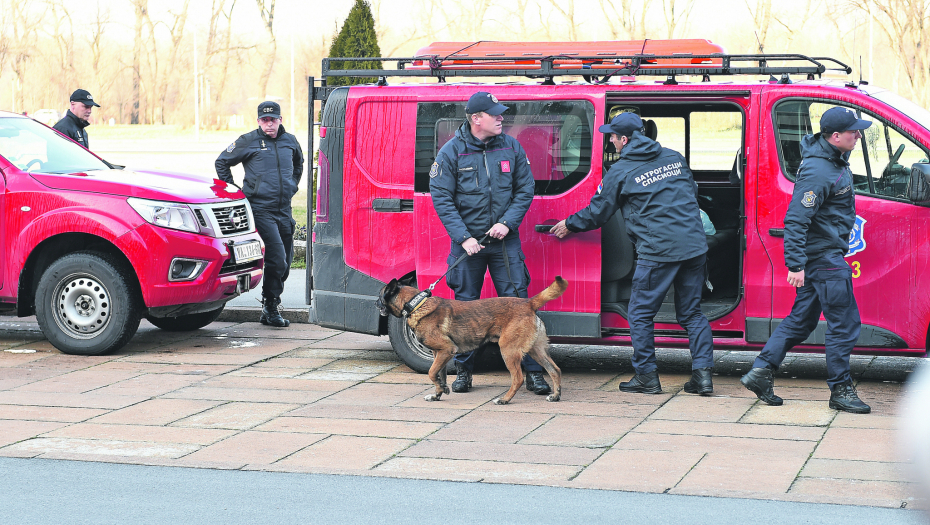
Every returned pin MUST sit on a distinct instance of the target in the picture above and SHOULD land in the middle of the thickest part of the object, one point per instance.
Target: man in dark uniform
(273, 163)
(74, 122)
(656, 192)
(817, 226)
(481, 184)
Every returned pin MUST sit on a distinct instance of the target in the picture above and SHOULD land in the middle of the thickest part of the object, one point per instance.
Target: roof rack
(596, 62)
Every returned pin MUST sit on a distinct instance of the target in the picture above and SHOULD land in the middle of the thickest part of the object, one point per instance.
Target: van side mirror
(918, 187)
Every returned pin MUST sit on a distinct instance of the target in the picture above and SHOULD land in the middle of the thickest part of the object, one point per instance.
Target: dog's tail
(554, 290)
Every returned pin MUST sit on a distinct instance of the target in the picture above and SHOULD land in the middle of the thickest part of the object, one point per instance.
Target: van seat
(617, 258)
(650, 129)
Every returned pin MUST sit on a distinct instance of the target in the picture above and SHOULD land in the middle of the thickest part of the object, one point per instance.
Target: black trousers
(276, 228)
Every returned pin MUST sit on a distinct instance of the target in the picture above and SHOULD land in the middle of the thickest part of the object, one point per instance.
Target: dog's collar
(416, 302)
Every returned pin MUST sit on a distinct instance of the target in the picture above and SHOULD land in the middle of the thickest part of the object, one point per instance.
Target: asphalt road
(38, 491)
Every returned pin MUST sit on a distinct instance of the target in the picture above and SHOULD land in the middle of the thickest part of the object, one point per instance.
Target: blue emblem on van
(857, 237)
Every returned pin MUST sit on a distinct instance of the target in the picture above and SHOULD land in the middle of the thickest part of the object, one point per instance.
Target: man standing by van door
(273, 163)
(77, 118)
(481, 183)
(820, 217)
(655, 190)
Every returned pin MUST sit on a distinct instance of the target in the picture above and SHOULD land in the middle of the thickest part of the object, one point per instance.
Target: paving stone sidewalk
(309, 399)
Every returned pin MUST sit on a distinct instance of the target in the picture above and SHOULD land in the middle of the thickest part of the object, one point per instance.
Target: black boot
(270, 314)
(643, 384)
(761, 383)
(536, 383)
(462, 381)
(845, 398)
(701, 382)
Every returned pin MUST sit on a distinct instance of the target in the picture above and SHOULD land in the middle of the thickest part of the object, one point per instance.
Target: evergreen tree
(356, 39)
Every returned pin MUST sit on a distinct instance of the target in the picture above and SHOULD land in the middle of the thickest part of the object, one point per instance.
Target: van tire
(186, 323)
(87, 304)
(406, 346)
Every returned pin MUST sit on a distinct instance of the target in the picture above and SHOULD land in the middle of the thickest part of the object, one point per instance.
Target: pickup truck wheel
(406, 346)
(86, 304)
(186, 323)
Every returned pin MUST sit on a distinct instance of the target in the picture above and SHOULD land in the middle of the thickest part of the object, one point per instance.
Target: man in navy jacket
(655, 190)
(819, 220)
(480, 184)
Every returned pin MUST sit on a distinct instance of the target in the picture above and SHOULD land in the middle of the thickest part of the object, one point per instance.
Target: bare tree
(761, 15)
(568, 14)
(24, 18)
(167, 84)
(676, 14)
(141, 8)
(60, 30)
(906, 24)
(629, 21)
(266, 7)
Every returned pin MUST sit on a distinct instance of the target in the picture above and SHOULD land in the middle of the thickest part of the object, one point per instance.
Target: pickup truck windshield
(32, 147)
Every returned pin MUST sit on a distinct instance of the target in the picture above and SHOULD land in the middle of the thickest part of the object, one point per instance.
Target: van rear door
(557, 136)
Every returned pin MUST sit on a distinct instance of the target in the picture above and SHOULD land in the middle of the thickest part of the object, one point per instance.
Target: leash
(419, 298)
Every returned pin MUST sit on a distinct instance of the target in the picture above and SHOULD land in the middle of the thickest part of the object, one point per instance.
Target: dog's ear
(391, 289)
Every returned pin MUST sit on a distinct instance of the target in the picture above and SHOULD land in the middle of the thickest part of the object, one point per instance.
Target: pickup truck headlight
(165, 214)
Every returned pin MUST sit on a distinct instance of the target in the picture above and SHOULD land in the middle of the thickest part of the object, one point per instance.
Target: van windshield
(905, 106)
(32, 147)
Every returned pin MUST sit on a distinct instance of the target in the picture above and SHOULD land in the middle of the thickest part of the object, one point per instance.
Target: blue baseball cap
(623, 124)
(840, 119)
(483, 101)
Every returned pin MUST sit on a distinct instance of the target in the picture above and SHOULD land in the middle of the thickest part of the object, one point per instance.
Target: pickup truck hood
(155, 185)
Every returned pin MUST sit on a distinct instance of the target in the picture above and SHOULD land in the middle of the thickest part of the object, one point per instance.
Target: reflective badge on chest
(505, 166)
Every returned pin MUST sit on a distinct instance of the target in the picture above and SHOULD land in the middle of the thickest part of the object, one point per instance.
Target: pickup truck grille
(232, 219)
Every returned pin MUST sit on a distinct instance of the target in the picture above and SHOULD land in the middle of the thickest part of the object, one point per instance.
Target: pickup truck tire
(186, 323)
(86, 304)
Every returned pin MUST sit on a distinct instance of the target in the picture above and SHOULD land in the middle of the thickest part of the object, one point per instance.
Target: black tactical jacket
(655, 190)
(73, 126)
(822, 212)
(273, 167)
(476, 185)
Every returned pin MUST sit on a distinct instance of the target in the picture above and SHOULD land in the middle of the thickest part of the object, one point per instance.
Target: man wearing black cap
(817, 226)
(74, 122)
(481, 184)
(273, 163)
(656, 192)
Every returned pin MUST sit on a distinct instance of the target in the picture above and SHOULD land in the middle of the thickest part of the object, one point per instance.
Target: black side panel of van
(342, 297)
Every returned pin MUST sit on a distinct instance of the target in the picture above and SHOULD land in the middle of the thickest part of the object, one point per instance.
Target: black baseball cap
(840, 119)
(84, 97)
(269, 109)
(623, 124)
(486, 102)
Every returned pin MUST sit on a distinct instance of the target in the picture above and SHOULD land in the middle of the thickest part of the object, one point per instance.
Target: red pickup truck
(91, 249)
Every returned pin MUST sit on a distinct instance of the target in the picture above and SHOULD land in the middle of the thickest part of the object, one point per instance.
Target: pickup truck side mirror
(918, 187)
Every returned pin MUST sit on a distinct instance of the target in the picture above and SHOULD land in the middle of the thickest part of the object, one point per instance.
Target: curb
(239, 314)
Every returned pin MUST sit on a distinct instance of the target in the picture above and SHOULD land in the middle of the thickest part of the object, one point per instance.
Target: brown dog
(454, 327)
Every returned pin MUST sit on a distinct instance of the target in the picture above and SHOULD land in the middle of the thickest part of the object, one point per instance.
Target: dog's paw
(445, 389)
(432, 397)
(553, 397)
(499, 401)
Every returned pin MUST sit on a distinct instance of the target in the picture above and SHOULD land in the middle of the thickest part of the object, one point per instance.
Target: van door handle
(777, 232)
(544, 228)
(392, 205)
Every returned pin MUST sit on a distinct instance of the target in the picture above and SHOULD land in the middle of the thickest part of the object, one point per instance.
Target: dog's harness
(418, 299)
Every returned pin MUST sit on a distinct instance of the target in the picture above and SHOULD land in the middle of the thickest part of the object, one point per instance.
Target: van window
(556, 135)
(881, 162)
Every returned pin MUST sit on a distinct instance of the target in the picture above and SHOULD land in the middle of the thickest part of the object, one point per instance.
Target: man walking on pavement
(820, 217)
(480, 184)
(77, 118)
(655, 190)
(273, 163)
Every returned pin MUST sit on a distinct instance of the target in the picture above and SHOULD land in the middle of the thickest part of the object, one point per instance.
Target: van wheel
(411, 351)
(86, 304)
(186, 323)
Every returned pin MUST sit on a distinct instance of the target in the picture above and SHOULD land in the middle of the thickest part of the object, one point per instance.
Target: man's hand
(471, 246)
(498, 231)
(560, 230)
(796, 279)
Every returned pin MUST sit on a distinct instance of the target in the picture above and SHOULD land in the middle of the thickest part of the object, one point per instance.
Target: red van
(90, 248)
(738, 119)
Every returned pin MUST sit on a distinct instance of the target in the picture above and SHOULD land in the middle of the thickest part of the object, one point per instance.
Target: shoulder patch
(809, 199)
(231, 147)
(434, 170)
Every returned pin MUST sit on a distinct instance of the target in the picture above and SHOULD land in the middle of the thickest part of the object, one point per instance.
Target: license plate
(250, 251)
